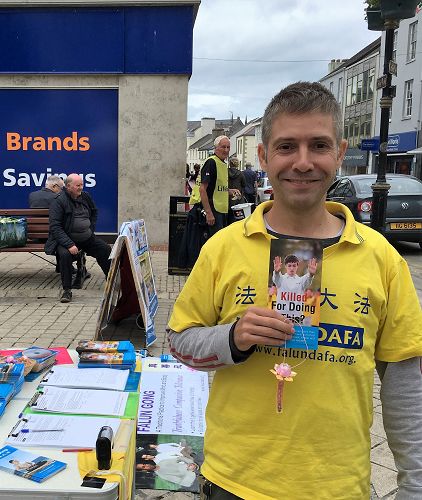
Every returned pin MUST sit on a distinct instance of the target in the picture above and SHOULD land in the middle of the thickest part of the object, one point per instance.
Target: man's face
(301, 159)
(74, 188)
(291, 268)
(223, 149)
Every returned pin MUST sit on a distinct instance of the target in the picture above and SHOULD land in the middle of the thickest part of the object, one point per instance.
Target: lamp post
(385, 15)
(380, 187)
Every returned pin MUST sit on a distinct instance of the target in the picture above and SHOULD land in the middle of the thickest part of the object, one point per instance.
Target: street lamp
(385, 15)
(381, 186)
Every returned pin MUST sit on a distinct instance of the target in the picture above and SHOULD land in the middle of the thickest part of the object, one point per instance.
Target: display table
(64, 485)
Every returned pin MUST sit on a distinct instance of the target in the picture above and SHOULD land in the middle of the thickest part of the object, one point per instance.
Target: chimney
(216, 132)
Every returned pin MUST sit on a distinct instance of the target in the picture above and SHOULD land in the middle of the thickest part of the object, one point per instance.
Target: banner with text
(173, 399)
(60, 131)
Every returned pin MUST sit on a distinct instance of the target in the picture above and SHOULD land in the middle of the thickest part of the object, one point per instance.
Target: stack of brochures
(109, 354)
(11, 381)
(28, 465)
(36, 359)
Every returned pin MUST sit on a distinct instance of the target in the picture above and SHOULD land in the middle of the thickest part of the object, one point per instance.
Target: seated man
(43, 197)
(73, 216)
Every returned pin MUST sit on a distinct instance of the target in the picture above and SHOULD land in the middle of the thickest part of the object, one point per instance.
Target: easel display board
(130, 287)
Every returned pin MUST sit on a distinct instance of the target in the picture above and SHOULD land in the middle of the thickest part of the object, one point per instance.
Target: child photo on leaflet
(294, 277)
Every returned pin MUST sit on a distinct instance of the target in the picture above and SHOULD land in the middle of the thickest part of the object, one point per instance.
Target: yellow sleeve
(195, 305)
(400, 335)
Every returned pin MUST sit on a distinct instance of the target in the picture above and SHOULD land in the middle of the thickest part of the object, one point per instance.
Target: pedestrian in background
(43, 197)
(251, 184)
(236, 181)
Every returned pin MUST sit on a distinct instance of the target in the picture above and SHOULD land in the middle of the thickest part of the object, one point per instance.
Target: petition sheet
(82, 401)
(59, 431)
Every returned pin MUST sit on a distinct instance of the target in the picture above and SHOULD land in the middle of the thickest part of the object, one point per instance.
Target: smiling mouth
(302, 181)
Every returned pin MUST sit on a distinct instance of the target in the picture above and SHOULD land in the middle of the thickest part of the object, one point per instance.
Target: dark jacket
(236, 181)
(41, 198)
(61, 219)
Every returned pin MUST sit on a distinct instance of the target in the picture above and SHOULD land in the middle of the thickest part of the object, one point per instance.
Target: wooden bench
(37, 227)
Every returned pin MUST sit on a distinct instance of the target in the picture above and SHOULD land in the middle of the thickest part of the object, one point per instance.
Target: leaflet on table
(294, 287)
(29, 465)
(119, 360)
(59, 431)
(105, 346)
(43, 357)
(80, 401)
(73, 377)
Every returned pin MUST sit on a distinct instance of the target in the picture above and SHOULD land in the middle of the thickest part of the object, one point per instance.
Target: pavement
(31, 314)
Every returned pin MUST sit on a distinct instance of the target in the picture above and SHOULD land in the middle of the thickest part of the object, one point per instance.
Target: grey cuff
(202, 347)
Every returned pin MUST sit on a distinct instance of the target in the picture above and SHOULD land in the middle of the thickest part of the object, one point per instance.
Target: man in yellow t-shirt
(319, 446)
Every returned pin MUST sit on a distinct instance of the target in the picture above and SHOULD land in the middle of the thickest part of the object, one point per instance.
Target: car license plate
(405, 225)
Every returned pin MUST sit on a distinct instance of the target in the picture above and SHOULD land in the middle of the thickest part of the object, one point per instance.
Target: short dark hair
(299, 98)
(290, 258)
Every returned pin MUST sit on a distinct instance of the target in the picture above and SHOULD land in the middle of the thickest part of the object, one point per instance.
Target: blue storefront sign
(60, 131)
(370, 145)
(400, 143)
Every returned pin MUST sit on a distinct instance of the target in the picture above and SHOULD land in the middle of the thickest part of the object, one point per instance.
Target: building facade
(353, 84)
(98, 88)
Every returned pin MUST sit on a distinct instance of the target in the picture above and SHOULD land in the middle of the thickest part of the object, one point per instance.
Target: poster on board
(170, 426)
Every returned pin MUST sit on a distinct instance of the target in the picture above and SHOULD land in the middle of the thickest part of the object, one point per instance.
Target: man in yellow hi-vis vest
(211, 188)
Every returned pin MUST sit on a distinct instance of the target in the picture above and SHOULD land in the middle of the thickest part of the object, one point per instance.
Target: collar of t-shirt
(326, 242)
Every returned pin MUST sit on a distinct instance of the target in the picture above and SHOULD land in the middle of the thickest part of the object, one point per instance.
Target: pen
(66, 450)
(25, 431)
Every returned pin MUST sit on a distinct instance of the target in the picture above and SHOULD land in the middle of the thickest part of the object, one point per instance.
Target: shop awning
(417, 151)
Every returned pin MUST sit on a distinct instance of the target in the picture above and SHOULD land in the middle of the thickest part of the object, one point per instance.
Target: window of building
(411, 44)
(331, 87)
(394, 55)
(408, 95)
(357, 128)
(360, 87)
(340, 90)
(371, 83)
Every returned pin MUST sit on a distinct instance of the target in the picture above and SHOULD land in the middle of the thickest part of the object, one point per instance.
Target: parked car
(404, 203)
(265, 190)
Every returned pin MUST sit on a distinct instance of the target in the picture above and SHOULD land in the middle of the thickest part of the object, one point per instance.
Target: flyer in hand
(28, 465)
(294, 287)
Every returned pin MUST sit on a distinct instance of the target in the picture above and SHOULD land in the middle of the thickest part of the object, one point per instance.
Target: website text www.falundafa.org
(320, 355)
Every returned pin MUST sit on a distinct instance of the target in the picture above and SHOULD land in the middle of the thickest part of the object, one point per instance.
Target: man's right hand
(73, 250)
(263, 327)
(210, 218)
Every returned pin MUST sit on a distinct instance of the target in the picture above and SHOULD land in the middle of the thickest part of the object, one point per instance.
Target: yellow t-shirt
(319, 446)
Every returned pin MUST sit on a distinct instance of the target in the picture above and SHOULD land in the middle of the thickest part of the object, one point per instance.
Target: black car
(404, 203)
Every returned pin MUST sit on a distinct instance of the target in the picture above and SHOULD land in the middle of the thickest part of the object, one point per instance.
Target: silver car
(265, 190)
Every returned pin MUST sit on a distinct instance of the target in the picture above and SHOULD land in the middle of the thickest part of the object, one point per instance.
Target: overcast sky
(295, 39)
